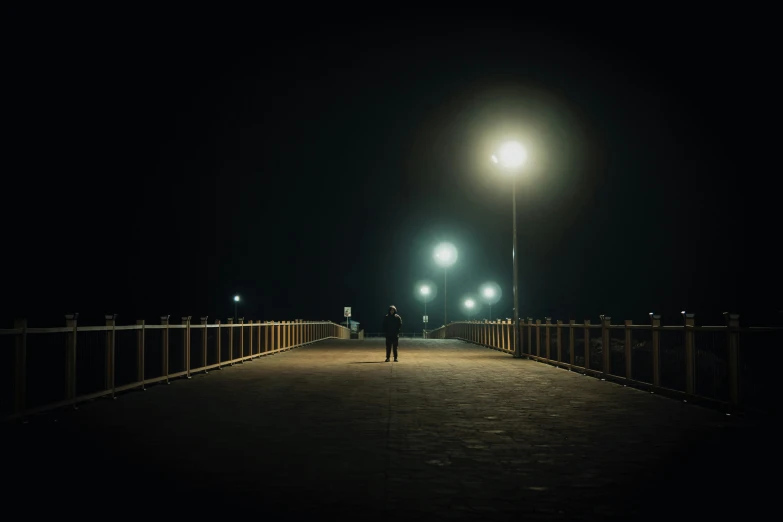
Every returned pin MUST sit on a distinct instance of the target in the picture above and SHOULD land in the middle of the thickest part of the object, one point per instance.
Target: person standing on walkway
(392, 323)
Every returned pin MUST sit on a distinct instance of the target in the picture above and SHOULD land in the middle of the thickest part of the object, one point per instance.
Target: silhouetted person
(391, 329)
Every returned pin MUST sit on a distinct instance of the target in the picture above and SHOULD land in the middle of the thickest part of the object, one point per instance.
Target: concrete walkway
(452, 431)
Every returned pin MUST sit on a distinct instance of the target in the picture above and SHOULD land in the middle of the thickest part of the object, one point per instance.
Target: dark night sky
(159, 167)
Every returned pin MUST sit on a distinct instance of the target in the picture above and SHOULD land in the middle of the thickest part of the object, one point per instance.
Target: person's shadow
(365, 362)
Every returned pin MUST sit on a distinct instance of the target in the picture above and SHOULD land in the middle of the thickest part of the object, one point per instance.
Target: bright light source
(236, 298)
(425, 290)
(445, 254)
(470, 303)
(490, 293)
(510, 155)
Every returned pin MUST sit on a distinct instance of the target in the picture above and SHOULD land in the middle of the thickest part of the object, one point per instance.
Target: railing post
(231, 341)
(656, 348)
(204, 344)
(258, 339)
(559, 340)
(219, 339)
(628, 350)
(242, 340)
(259, 336)
(587, 344)
(164, 320)
(20, 366)
(732, 333)
(538, 337)
(547, 335)
(267, 336)
(186, 347)
(140, 353)
(606, 341)
(690, 354)
(529, 325)
(571, 343)
(110, 353)
(276, 335)
(70, 358)
(250, 339)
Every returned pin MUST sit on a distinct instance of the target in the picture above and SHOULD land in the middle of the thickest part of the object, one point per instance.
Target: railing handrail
(537, 340)
(246, 340)
(104, 328)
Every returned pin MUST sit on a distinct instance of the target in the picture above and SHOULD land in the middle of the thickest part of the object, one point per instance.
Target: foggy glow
(490, 293)
(424, 290)
(470, 303)
(236, 298)
(510, 155)
(445, 254)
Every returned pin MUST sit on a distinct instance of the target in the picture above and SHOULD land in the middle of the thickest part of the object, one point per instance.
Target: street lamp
(236, 301)
(469, 304)
(488, 294)
(445, 256)
(510, 156)
(425, 292)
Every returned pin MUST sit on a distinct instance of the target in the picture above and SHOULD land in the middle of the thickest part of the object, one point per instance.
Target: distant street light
(489, 293)
(425, 291)
(510, 156)
(469, 304)
(445, 256)
(236, 301)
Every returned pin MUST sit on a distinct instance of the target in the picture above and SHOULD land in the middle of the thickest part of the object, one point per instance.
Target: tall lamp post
(445, 256)
(236, 302)
(425, 292)
(510, 156)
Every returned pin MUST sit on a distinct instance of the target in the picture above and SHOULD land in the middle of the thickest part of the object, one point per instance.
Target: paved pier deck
(331, 432)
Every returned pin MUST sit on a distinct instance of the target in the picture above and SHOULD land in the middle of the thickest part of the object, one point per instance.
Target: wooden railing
(725, 365)
(49, 368)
